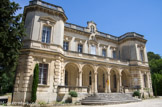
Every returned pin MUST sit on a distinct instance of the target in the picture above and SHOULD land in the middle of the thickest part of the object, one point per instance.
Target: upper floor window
(104, 52)
(142, 55)
(43, 72)
(114, 54)
(92, 29)
(80, 48)
(93, 50)
(66, 45)
(46, 34)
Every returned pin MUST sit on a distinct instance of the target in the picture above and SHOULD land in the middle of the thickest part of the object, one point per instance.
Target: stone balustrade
(67, 89)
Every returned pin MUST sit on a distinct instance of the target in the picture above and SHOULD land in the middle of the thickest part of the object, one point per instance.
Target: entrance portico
(97, 79)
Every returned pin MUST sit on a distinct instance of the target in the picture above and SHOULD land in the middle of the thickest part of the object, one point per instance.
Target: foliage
(136, 93)
(157, 84)
(73, 94)
(68, 100)
(35, 83)
(155, 63)
(152, 56)
(11, 32)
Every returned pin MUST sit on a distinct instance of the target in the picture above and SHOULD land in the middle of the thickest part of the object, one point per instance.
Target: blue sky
(116, 17)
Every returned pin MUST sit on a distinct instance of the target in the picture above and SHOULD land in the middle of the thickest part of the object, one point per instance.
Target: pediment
(47, 18)
(93, 42)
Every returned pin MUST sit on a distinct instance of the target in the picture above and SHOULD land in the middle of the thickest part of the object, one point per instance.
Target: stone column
(80, 78)
(140, 82)
(95, 90)
(108, 84)
(120, 83)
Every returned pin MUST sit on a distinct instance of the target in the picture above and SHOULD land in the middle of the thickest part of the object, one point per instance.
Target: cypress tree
(35, 83)
(11, 34)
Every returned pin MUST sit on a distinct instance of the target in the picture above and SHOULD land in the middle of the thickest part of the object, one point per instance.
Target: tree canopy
(155, 63)
(11, 33)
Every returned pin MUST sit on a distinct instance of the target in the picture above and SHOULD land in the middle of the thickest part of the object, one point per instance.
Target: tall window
(104, 52)
(114, 81)
(114, 54)
(141, 54)
(90, 78)
(103, 80)
(66, 45)
(66, 78)
(46, 34)
(145, 80)
(43, 72)
(93, 50)
(80, 48)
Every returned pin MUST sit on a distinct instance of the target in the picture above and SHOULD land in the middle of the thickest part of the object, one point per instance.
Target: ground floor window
(43, 73)
(114, 81)
(66, 78)
(145, 80)
(90, 78)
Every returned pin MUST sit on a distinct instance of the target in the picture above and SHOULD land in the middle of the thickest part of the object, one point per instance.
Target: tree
(35, 83)
(155, 63)
(152, 56)
(11, 33)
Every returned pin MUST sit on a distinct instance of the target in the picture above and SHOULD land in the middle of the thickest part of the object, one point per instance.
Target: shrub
(35, 83)
(73, 94)
(68, 100)
(136, 93)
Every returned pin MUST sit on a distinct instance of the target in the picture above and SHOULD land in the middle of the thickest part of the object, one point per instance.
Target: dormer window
(93, 49)
(46, 34)
(92, 29)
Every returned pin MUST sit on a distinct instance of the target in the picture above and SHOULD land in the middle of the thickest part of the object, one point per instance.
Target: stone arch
(125, 78)
(71, 74)
(101, 79)
(114, 80)
(88, 76)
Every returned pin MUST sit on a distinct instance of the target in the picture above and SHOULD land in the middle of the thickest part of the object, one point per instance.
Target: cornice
(44, 9)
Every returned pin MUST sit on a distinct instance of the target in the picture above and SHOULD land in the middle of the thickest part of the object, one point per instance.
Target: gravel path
(156, 102)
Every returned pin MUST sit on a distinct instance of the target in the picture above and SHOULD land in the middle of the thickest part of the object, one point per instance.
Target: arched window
(90, 78)
(92, 29)
(66, 78)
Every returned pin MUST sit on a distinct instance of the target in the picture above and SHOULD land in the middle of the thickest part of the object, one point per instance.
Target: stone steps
(109, 98)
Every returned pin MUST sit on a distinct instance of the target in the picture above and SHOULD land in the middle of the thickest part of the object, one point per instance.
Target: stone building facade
(73, 57)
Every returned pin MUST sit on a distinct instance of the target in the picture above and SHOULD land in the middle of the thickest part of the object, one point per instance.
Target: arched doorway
(88, 77)
(101, 80)
(113, 81)
(125, 78)
(71, 75)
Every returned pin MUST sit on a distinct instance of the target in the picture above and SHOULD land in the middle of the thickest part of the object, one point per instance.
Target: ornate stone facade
(72, 57)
